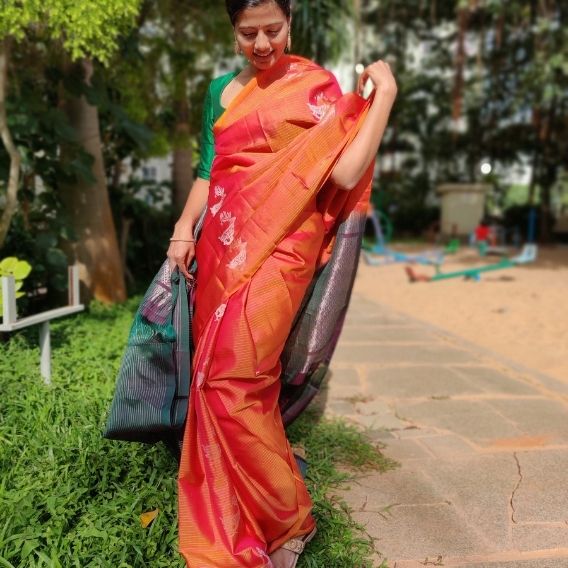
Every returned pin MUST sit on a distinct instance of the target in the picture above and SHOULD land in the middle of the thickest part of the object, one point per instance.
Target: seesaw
(528, 254)
(484, 249)
(389, 256)
(379, 254)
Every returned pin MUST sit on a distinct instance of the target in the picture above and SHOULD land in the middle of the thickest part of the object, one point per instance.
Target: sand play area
(520, 313)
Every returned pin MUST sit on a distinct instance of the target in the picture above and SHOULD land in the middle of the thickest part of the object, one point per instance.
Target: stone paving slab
(473, 419)
(380, 354)
(419, 381)
(479, 488)
(482, 446)
(386, 334)
(490, 380)
(407, 449)
(403, 487)
(540, 417)
(420, 531)
(542, 495)
(447, 446)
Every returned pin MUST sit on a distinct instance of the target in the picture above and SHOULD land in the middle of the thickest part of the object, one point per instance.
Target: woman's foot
(282, 558)
(287, 555)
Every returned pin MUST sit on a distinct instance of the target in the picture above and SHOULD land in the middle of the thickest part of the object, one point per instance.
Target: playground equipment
(499, 234)
(378, 254)
(452, 247)
(528, 254)
(485, 249)
(495, 243)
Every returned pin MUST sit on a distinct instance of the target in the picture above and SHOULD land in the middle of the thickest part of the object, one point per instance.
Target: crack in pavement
(516, 487)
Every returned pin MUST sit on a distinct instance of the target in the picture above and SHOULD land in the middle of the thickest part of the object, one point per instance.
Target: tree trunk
(124, 234)
(546, 217)
(11, 203)
(457, 93)
(96, 250)
(182, 171)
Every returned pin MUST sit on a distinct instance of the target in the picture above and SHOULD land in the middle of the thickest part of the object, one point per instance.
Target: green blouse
(212, 110)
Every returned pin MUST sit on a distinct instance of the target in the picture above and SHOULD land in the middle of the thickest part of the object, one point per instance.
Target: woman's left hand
(381, 75)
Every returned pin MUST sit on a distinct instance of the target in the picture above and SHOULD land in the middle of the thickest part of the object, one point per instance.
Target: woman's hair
(236, 7)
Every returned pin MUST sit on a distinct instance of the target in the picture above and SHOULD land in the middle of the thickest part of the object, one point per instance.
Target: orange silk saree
(274, 220)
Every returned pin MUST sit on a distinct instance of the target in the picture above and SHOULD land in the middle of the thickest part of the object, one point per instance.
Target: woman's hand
(362, 150)
(180, 254)
(381, 75)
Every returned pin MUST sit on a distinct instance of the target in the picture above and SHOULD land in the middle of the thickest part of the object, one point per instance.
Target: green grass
(70, 498)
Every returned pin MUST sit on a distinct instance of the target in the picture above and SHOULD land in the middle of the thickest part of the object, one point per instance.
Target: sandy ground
(520, 313)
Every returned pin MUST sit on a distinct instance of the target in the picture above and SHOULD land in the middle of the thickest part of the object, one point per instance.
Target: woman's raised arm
(363, 148)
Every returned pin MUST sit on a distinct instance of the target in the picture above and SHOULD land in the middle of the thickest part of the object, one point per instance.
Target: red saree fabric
(271, 223)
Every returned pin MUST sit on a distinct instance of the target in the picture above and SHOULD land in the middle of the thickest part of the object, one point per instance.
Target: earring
(238, 50)
(289, 44)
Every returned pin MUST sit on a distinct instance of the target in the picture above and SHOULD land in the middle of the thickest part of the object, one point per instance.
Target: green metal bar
(473, 272)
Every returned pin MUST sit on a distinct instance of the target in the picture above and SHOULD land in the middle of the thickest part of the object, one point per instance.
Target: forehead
(266, 14)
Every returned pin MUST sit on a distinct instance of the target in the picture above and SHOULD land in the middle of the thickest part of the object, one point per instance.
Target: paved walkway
(482, 446)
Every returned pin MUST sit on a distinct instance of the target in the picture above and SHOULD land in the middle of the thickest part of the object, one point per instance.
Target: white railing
(10, 321)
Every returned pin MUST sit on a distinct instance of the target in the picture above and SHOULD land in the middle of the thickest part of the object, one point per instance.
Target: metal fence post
(45, 352)
(9, 300)
(11, 323)
(73, 285)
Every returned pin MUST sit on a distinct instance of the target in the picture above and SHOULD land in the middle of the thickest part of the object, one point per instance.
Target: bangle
(182, 240)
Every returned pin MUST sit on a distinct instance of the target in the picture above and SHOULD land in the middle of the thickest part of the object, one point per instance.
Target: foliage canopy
(84, 27)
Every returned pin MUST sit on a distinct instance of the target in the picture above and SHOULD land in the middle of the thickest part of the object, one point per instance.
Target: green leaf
(46, 240)
(29, 547)
(8, 264)
(22, 269)
(59, 281)
(56, 258)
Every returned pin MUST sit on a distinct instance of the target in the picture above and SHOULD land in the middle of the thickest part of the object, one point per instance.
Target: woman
(293, 158)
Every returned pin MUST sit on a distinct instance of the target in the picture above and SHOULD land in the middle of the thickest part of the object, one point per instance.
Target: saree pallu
(273, 219)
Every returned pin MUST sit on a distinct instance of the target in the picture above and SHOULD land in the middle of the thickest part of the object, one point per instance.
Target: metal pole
(73, 285)
(9, 313)
(45, 352)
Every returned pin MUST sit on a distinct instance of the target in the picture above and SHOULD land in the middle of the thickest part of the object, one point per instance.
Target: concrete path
(482, 446)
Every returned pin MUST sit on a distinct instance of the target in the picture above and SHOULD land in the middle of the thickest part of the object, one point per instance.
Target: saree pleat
(239, 465)
(270, 226)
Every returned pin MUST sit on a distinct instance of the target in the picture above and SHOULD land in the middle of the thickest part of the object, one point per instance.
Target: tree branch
(15, 159)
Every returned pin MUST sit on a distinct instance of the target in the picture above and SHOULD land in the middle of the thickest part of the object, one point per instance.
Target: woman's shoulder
(313, 76)
(299, 65)
(300, 62)
(222, 80)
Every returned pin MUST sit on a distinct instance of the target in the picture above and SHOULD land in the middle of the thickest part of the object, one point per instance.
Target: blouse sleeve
(207, 144)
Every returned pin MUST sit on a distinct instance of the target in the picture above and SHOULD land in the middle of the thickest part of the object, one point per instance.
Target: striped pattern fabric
(317, 327)
(151, 396)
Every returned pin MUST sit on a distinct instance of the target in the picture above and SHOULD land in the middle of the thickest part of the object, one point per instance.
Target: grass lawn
(73, 499)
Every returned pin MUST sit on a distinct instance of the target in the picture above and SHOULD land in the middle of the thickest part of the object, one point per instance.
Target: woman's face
(262, 34)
